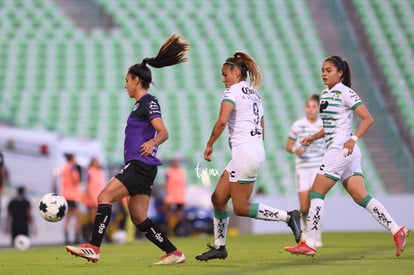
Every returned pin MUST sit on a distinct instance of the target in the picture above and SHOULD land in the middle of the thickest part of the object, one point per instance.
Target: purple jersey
(139, 130)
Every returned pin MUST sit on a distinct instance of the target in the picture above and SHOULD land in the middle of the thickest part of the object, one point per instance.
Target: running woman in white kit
(242, 110)
(342, 160)
(308, 158)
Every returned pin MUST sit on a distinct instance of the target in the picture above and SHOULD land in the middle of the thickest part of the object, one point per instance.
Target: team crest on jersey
(336, 94)
(135, 106)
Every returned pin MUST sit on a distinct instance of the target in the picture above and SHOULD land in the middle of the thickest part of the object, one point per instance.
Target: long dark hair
(341, 65)
(172, 52)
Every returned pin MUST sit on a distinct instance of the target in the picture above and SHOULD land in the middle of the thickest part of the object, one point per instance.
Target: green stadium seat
(394, 48)
(91, 65)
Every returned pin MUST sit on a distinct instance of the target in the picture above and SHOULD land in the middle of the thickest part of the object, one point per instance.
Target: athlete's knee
(241, 209)
(358, 198)
(105, 197)
(215, 198)
(218, 200)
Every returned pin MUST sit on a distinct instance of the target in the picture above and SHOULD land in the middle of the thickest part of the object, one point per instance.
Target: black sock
(153, 233)
(102, 218)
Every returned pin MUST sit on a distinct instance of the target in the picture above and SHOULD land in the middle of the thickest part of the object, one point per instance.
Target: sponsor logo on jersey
(324, 104)
(248, 91)
(154, 107)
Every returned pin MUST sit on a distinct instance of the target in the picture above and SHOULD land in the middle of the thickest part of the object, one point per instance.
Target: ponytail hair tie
(144, 61)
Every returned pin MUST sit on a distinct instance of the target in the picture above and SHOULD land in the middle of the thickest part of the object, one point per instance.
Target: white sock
(314, 221)
(303, 218)
(381, 215)
(263, 212)
(220, 230)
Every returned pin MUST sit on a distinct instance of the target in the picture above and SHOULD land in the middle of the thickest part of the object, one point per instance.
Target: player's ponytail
(247, 66)
(172, 52)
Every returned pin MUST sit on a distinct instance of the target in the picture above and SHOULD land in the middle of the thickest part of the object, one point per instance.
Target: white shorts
(337, 167)
(305, 178)
(246, 162)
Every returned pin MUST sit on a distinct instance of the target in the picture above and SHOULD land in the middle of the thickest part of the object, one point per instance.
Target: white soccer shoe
(175, 257)
(87, 251)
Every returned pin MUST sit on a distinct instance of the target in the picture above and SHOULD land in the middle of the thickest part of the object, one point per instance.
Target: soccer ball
(119, 236)
(22, 242)
(53, 207)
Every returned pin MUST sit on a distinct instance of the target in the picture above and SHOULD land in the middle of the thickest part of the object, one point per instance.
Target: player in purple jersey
(144, 132)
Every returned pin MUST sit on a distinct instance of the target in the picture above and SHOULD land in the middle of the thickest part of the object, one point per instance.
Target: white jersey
(244, 122)
(313, 154)
(336, 112)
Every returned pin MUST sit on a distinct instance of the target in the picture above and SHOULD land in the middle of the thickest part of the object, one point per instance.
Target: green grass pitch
(343, 253)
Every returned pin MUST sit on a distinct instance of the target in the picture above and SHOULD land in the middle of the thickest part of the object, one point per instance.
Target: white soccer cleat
(87, 251)
(175, 257)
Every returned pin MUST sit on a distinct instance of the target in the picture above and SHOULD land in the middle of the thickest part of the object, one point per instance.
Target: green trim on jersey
(329, 112)
(221, 214)
(335, 105)
(356, 105)
(246, 181)
(332, 98)
(332, 177)
(358, 174)
(229, 101)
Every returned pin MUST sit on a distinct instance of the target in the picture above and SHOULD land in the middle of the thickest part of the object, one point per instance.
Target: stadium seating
(389, 27)
(53, 73)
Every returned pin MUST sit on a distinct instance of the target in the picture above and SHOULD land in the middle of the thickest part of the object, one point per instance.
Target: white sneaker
(175, 257)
